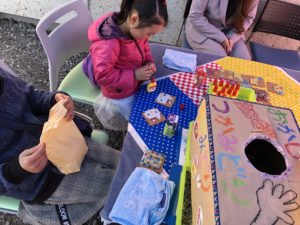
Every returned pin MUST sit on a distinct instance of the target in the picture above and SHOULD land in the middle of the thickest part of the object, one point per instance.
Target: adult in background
(218, 26)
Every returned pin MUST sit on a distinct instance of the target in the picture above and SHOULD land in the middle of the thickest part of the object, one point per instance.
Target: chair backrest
(67, 39)
(281, 18)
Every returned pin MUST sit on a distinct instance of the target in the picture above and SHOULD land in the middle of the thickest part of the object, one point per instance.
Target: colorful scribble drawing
(293, 149)
(196, 131)
(278, 115)
(236, 182)
(225, 110)
(194, 167)
(201, 142)
(287, 130)
(257, 123)
(205, 182)
(228, 142)
(274, 204)
(225, 121)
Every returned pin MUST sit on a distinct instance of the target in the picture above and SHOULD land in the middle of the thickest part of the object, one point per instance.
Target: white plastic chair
(67, 39)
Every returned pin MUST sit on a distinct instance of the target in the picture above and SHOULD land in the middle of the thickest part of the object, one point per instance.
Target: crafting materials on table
(165, 99)
(171, 125)
(153, 135)
(243, 93)
(151, 86)
(153, 160)
(288, 89)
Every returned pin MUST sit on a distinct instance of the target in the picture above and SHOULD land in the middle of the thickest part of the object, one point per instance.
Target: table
(132, 152)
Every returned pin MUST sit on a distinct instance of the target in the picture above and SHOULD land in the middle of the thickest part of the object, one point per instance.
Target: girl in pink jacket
(119, 56)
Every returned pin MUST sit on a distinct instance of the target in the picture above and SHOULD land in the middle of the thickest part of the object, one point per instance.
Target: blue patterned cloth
(180, 61)
(143, 200)
(153, 135)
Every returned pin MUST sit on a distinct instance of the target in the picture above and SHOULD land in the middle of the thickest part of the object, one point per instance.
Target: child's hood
(105, 28)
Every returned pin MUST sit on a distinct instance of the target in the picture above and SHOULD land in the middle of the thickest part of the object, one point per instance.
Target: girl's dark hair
(150, 12)
(241, 13)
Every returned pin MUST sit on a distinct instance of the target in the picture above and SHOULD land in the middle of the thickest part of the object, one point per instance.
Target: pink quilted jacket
(114, 57)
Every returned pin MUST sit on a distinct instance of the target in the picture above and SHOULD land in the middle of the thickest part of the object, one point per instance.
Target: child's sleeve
(148, 54)
(38, 100)
(105, 54)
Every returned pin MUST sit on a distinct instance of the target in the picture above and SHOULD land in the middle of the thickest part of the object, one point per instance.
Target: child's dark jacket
(23, 103)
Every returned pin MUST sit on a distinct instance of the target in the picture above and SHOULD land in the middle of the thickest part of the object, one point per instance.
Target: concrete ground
(22, 51)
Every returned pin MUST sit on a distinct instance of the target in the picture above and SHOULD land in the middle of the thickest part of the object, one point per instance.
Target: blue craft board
(175, 177)
(153, 135)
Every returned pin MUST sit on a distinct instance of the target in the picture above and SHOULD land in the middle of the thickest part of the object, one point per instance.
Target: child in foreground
(120, 58)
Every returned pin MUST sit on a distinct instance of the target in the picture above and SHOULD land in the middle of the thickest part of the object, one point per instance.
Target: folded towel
(143, 200)
(180, 61)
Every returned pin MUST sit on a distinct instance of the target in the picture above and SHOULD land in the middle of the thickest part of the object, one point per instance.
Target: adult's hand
(143, 73)
(68, 104)
(230, 41)
(226, 45)
(34, 159)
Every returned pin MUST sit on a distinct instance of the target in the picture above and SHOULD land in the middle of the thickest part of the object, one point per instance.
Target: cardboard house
(245, 166)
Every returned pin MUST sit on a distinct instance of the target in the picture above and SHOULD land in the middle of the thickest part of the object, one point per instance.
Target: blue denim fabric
(144, 199)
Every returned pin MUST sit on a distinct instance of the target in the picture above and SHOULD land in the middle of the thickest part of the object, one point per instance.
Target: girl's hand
(143, 73)
(68, 104)
(34, 159)
(152, 66)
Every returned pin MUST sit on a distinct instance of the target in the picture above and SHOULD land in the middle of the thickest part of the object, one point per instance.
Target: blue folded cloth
(143, 200)
(180, 61)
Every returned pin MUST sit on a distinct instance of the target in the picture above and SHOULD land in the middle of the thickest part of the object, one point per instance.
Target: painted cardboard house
(245, 166)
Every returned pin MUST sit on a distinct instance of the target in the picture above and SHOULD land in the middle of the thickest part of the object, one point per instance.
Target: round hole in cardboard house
(264, 156)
